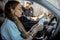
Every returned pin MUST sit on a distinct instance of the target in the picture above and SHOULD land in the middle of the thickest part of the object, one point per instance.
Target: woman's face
(18, 11)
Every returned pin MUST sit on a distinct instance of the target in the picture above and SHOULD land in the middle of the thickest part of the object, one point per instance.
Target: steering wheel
(49, 30)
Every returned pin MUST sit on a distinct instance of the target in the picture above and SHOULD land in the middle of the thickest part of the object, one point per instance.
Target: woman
(11, 27)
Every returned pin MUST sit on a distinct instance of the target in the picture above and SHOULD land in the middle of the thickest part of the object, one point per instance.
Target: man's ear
(12, 10)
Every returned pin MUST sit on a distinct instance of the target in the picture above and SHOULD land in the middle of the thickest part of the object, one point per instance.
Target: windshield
(56, 3)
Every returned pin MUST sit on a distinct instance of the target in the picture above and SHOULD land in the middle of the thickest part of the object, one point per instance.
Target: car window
(48, 15)
(39, 10)
(56, 3)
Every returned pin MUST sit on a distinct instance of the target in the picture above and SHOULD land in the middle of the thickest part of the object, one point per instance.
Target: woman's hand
(34, 30)
(25, 36)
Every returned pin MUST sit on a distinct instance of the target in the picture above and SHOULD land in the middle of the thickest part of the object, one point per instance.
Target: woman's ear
(12, 10)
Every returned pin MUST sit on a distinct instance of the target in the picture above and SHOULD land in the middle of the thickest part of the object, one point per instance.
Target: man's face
(28, 6)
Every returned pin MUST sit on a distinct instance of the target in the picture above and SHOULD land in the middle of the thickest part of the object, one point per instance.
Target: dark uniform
(27, 23)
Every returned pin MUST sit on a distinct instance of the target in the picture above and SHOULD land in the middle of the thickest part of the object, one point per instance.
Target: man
(28, 19)
(28, 10)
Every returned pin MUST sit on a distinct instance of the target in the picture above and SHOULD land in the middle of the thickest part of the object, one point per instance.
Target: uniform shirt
(9, 31)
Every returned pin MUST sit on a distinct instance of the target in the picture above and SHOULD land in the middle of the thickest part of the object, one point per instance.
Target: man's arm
(33, 18)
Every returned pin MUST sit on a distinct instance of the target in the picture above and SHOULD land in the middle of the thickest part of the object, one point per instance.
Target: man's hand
(34, 18)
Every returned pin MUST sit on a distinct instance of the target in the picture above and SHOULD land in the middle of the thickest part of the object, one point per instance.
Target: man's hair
(29, 2)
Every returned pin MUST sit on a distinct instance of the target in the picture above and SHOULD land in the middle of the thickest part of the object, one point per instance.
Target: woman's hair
(8, 6)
